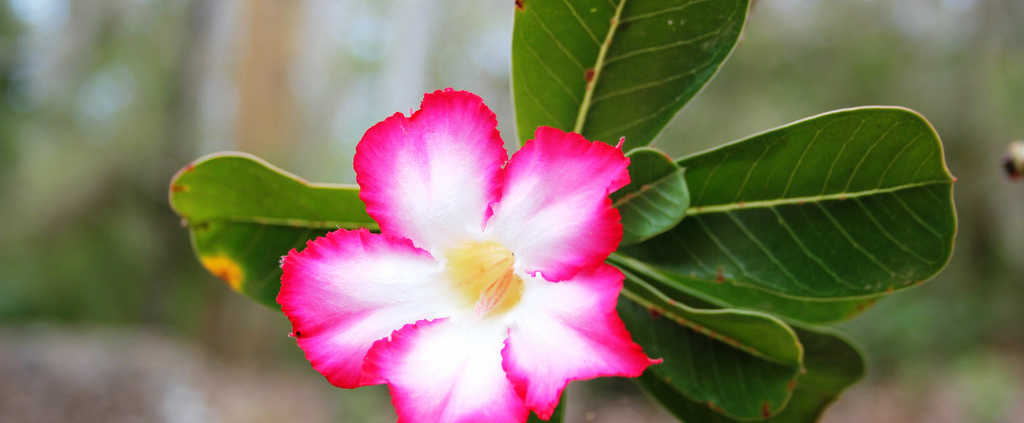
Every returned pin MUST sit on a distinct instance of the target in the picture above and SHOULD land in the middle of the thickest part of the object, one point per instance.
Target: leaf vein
(888, 235)
(856, 245)
(807, 251)
(767, 252)
(663, 11)
(579, 20)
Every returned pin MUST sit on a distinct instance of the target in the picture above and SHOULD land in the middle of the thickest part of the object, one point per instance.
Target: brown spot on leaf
(792, 384)
(654, 313)
(519, 5)
(766, 410)
(588, 75)
(178, 188)
(720, 277)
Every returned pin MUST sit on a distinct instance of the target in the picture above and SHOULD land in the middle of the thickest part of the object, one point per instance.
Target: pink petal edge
(554, 213)
(348, 289)
(429, 177)
(569, 330)
(442, 372)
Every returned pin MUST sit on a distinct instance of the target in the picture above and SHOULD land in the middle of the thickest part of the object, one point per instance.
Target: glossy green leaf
(655, 199)
(832, 365)
(846, 205)
(742, 363)
(244, 214)
(698, 293)
(613, 68)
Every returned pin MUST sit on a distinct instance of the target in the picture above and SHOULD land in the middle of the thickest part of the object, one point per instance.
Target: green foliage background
(87, 238)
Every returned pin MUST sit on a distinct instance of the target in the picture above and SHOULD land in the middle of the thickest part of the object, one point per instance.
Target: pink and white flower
(486, 291)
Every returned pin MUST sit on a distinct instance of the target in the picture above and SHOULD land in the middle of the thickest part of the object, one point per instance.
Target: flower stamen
(483, 273)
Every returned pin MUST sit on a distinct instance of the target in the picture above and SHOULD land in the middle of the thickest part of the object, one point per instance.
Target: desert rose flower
(486, 291)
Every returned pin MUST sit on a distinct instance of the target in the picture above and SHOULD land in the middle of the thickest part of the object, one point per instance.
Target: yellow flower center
(482, 272)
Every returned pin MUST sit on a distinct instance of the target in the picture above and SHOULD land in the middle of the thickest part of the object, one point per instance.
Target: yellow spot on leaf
(225, 268)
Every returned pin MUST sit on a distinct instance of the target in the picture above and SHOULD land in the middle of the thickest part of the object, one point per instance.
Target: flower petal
(351, 288)
(445, 372)
(431, 176)
(554, 213)
(569, 331)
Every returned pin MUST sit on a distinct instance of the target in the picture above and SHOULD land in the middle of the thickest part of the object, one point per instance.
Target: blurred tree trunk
(265, 123)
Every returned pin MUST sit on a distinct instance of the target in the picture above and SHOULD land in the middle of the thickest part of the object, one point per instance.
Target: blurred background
(105, 315)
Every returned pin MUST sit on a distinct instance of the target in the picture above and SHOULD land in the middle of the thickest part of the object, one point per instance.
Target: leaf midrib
(280, 221)
(744, 205)
(588, 92)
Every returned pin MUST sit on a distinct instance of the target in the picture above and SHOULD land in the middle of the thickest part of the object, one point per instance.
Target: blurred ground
(106, 316)
(93, 374)
(88, 374)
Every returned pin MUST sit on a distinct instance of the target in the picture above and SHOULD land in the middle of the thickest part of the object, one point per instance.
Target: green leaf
(613, 68)
(698, 293)
(247, 256)
(846, 205)
(655, 199)
(832, 365)
(244, 214)
(741, 363)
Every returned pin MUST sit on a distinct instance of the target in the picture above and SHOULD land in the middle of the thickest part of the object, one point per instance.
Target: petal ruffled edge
(444, 372)
(348, 289)
(555, 213)
(430, 177)
(569, 331)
